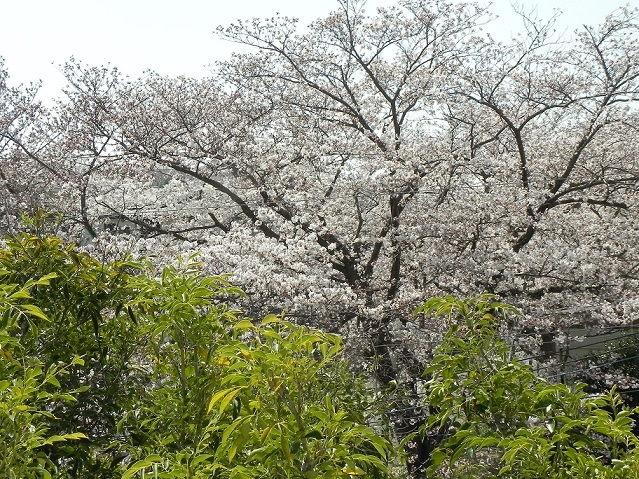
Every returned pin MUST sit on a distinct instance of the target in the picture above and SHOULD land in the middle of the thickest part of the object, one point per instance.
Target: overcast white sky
(177, 37)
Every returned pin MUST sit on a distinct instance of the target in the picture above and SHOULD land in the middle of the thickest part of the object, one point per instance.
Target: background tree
(19, 172)
(337, 161)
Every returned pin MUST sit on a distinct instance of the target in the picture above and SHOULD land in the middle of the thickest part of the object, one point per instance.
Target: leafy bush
(240, 400)
(28, 388)
(501, 420)
(116, 370)
(164, 376)
(82, 316)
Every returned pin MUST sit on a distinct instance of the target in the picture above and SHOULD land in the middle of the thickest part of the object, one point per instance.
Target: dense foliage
(28, 387)
(501, 420)
(113, 367)
(163, 377)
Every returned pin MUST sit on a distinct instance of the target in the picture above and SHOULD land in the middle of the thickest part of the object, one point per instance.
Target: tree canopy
(357, 164)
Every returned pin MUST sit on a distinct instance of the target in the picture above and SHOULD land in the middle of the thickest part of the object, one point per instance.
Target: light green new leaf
(140, 465)
(34, 310)
(224, 397)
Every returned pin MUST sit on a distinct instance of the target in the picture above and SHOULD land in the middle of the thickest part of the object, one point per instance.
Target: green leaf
(34, 310)
(232, 427)
(201, 458)
(224, 397)
(244, 324)
(271, 318)
(129, 311)
(20, 294)
(286, 449)
(53, 381)
(65, 437)
(353, 469)
(314, 434)
(139, 465)
(239, 442)
(228, 398)
(45, 280)
(240, 472)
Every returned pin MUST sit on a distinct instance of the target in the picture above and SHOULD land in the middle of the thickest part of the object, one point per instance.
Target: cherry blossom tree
(348, 171)
(19, 168)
